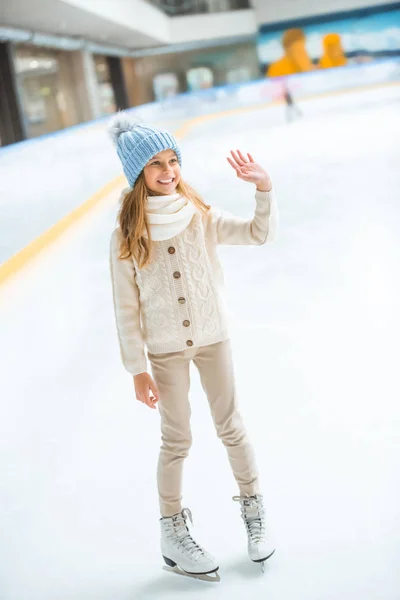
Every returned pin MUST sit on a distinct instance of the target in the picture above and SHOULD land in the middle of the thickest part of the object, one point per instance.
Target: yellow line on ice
(21, 258)
(14, 264)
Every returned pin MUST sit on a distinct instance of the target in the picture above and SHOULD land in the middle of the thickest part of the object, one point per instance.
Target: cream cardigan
(175, 302)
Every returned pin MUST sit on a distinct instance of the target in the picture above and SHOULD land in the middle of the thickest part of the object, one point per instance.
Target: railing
(175, 8)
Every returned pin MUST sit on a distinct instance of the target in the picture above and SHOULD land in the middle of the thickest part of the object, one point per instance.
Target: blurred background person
(292, 110)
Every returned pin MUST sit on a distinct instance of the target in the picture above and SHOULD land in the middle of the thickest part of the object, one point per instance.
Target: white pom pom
(121, 123)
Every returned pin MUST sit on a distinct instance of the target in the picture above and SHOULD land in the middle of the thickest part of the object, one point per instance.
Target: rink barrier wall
(190, 104)
(248, 97)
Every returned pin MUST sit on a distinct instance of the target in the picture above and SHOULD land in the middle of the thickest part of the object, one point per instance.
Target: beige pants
(171, 374)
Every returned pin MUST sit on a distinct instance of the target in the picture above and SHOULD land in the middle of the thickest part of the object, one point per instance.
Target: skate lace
(178, 533)
(253, 515)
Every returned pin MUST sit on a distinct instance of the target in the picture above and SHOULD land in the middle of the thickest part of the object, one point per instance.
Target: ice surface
(315, 329)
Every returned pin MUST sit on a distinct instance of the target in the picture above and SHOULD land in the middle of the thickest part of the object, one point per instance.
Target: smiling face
(162, 173)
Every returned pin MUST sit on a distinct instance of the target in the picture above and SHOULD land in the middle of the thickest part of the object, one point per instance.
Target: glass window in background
(165, 85)
(238, 75)
(199, 78)
(106, 92)
(38, 82)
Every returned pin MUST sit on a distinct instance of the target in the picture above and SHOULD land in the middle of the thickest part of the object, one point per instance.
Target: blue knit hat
(137, 143)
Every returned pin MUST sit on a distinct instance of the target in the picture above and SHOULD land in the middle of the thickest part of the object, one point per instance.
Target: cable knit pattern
(156, 299)
(175, 302)
(207, 317)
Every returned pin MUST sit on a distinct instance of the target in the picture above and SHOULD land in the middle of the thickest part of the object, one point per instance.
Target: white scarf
(167, 215)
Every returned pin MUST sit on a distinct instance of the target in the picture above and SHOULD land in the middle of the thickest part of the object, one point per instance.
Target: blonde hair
(133, 220)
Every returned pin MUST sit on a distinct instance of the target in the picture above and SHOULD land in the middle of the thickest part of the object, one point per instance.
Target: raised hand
(248, 170)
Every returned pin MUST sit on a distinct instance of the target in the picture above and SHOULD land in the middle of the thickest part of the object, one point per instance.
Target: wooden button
(186, 323)
(177, 275)
(171, 250)
(189, 343)
(181, 300)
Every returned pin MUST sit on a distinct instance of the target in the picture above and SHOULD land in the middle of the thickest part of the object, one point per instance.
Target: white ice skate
(253, 515)
(181, 553)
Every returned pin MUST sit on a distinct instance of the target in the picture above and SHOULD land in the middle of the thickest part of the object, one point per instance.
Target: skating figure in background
(292, 110)
(166, 281)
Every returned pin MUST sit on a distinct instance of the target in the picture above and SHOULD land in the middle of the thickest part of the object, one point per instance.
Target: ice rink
(315, 321)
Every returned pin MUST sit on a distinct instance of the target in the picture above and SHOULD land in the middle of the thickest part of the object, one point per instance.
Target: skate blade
(261, 561)
(212, 577)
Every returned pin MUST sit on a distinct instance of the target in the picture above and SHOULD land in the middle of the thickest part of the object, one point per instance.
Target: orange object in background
(296, 59)
(333, 55)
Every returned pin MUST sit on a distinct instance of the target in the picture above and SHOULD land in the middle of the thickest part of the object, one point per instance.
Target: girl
(166, 282)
